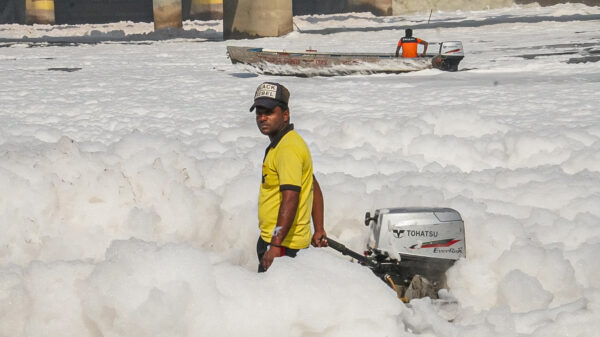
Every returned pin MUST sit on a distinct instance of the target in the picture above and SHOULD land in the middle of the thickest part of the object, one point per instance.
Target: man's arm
(285, 218)
(397, 50)
(318, 211)
(424, 43)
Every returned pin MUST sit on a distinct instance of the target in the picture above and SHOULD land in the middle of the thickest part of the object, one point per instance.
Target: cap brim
(267, 103)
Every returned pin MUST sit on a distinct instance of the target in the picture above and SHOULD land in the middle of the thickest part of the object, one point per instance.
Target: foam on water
(129, 188)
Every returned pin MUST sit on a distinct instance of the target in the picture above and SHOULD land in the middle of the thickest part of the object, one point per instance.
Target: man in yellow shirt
(289, 193)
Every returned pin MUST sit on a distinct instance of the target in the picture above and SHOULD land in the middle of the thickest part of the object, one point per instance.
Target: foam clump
(522, 293)
(141, 288)
(77, 202)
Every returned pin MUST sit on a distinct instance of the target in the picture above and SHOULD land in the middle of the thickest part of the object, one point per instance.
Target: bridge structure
(241, 18)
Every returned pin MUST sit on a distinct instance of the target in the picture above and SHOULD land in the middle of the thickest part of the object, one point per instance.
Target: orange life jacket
(409, 46)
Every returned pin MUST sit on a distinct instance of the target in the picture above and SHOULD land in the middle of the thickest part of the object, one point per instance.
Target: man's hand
(423, 54)
(270, 255)
(319, 239)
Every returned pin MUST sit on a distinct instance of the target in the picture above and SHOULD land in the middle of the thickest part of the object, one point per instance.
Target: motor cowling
(449, 56)
(409, 242)
(401, 233)
(452, 48)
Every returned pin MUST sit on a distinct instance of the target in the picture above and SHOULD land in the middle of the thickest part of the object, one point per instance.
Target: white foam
(129, 187)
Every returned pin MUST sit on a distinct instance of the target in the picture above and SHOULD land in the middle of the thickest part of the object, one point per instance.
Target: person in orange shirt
(409, 45)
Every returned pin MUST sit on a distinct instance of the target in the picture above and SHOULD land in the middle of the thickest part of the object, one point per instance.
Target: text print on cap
(266, 90)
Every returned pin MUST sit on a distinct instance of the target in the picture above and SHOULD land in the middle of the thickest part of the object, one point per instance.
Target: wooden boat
(313, 63)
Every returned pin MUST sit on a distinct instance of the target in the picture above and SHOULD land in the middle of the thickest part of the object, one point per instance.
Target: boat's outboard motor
(409, 242)
(450, 54)
(411, 248)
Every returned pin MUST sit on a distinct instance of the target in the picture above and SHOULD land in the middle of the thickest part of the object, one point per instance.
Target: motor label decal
(401, 233)
(434, 244)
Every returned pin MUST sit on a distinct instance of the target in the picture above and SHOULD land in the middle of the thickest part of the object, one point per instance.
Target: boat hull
(309, 63)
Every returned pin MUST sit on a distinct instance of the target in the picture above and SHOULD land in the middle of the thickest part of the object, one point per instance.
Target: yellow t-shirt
(287, 165)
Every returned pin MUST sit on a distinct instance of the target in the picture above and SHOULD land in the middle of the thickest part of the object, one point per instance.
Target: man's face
(270, 122)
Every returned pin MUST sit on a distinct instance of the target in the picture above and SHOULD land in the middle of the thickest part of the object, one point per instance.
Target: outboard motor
(450, 55)
(411, 241)
(412, 248)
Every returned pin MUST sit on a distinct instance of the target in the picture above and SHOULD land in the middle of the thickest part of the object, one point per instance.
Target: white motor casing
(417, 232)
(452, 48)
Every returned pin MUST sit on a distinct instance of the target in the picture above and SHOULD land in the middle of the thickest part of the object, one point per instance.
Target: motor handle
(346, 251)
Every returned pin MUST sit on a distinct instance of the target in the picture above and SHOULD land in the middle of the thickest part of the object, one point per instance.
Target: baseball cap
(269, 95)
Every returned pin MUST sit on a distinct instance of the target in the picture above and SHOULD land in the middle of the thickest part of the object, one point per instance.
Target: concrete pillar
(207, 10)
(167, 14)
(256, 18)
(39, 11)
(377, 7)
